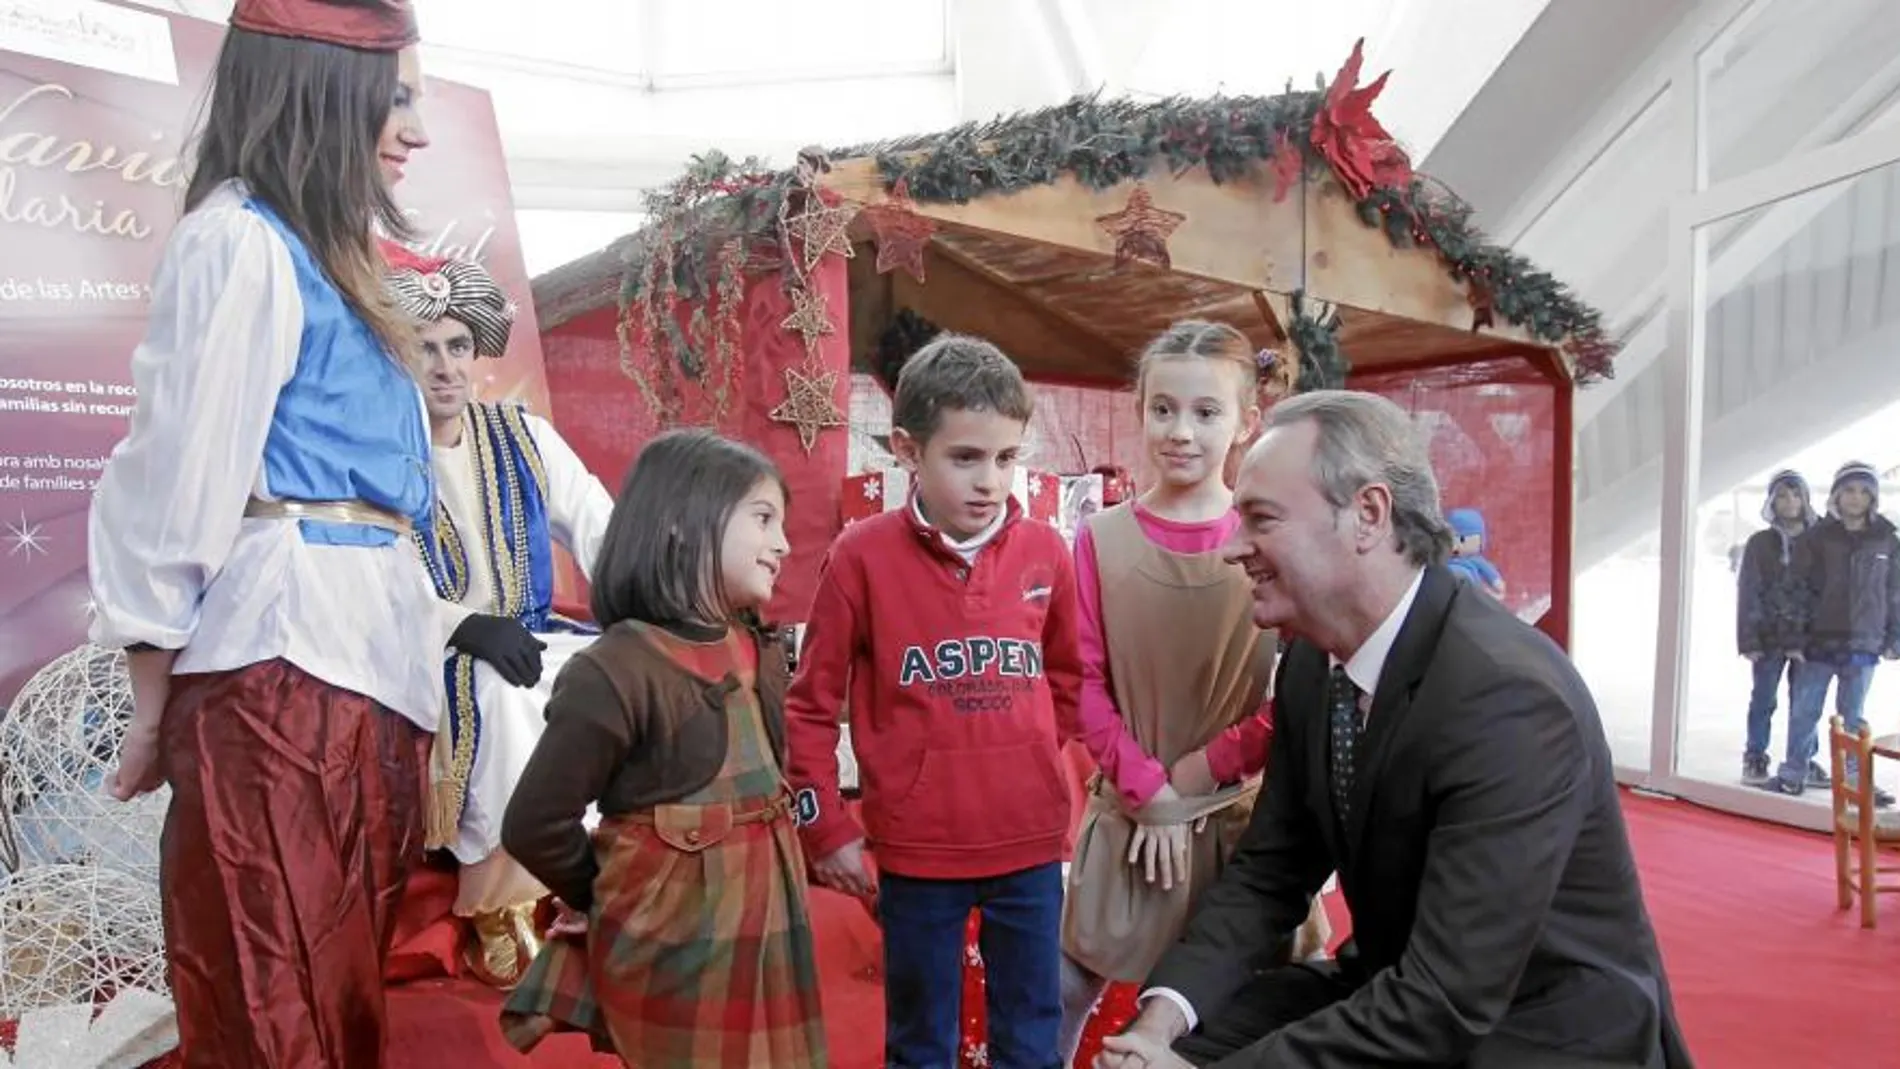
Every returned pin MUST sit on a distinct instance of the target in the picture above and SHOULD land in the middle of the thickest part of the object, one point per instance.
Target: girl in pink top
(1199, 387)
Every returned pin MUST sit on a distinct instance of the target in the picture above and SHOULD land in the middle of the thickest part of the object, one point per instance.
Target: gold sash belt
(356, 512)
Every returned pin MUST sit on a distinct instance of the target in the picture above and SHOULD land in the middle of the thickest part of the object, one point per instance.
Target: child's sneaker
(1755, 770)
(1779, 785)
(1818, 777)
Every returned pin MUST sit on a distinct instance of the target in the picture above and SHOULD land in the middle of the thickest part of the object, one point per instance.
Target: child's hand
(1161, 849)
(568, 923)
(1192, 775)
(845, 871)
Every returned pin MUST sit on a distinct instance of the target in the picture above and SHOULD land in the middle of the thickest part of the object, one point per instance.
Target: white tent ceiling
(600, 99)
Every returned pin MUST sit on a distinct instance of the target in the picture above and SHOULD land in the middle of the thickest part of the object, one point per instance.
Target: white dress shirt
(1363, 668)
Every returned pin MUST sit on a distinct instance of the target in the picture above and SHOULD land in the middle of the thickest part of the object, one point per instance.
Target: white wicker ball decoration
(58, 747)
(77, 935)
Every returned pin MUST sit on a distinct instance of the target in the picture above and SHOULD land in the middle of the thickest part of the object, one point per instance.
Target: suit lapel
(1411, 655)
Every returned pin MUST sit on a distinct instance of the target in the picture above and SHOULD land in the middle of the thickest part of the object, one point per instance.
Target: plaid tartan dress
(699, 950)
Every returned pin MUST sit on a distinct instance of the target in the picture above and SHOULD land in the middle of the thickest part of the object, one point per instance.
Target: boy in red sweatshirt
(949, 628)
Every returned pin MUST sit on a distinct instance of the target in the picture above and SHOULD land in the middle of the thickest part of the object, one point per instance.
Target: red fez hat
(400, 257)
(370, 25)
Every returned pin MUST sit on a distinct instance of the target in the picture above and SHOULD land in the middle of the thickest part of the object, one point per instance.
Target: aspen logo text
(976, 675)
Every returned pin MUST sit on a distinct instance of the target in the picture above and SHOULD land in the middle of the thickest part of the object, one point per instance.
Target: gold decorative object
(808, 403)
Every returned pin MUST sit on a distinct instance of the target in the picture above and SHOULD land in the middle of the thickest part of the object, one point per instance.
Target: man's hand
(1148, 1043)
(504, 644)
(1795, 655)
(1192, 775)
(846, 871)
(1752, 656)
(1161, 849)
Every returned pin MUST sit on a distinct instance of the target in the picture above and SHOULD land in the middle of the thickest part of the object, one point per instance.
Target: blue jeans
(1769, 669)
(1021, 942)
(1806, 696)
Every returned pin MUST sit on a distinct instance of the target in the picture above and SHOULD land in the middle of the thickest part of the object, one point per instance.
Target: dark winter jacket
(1768, 607)
(1849, 586)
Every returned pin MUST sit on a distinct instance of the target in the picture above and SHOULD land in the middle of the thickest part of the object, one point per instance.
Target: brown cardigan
(629, 729)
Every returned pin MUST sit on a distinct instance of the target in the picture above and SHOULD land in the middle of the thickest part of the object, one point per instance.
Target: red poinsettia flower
(1360, 151)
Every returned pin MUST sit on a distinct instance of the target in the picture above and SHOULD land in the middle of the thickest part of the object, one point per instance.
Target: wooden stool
(1857, 822)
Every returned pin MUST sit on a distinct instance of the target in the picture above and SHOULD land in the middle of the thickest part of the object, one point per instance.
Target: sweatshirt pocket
(975, 798)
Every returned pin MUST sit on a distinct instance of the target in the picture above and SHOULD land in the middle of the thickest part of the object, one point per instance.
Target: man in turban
(508, 488)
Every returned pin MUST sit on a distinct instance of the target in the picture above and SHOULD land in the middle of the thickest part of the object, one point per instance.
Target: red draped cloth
(296, 812)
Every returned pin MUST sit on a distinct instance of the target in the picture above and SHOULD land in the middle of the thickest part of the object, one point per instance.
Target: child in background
(950, 627)
(1175, 675)
(698, 946)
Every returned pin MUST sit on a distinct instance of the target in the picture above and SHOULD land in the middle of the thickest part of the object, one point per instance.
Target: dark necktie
(1342, 712)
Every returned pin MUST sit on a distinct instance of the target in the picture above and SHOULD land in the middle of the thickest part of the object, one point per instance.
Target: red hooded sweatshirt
(962, 682)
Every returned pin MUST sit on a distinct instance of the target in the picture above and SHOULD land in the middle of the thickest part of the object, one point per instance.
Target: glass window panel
(1617, 562)
(732, 36)
(1607, 234)
(1800, 318)
(1791, 75)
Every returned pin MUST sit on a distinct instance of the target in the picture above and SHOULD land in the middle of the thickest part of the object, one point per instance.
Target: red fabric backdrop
(605, 417)
(1494, 432)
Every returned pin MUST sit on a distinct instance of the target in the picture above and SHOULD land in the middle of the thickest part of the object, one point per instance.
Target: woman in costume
(250, 552)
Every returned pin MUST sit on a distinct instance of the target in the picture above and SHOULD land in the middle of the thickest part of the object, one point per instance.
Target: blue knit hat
(1854, 471)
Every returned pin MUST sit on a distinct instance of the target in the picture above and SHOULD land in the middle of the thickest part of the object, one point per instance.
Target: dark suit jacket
(1486, 864)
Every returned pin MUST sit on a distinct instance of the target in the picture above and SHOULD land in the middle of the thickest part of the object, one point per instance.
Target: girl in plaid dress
(687, 940)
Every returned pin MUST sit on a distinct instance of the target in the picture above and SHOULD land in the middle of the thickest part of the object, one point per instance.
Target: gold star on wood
(810, 318)
(901, 233)
(820, 229)
(1141, 230)
(808, 405)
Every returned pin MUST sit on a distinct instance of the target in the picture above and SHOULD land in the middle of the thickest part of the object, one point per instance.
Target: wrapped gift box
(867, 494)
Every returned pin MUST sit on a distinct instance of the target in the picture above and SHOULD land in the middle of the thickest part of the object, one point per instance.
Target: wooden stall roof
(1034, 269)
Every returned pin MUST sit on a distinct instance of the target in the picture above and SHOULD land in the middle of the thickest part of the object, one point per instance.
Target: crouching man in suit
(1446, 760)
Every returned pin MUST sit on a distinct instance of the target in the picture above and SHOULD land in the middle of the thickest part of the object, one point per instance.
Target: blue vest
(348, 425)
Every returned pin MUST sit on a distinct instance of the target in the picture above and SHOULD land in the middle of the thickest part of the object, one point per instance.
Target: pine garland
(1103, 143)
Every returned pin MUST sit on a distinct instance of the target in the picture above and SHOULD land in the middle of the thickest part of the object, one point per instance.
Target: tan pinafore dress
(1185, 663)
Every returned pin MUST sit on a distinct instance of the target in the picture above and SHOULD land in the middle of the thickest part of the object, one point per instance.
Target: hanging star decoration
(1141, 230)
(808, 405)
(819, 228)
(810, 318)
(901, 232)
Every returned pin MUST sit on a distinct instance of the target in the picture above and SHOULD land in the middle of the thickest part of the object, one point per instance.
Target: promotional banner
(96, 102)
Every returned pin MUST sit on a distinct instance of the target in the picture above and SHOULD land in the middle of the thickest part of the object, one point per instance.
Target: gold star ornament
(810, 317)
(808, 403)
(819, 229)
(1141, 230)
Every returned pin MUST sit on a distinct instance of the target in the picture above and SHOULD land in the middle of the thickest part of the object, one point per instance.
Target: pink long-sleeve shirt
(1234, 754)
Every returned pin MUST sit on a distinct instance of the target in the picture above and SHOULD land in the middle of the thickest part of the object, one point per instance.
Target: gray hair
(1366, 439)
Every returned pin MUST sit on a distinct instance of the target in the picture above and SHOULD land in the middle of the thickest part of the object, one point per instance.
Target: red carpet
(1766, 971)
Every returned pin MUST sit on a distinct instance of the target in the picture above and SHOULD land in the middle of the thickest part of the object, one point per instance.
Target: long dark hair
(659, 561)
(298, 122)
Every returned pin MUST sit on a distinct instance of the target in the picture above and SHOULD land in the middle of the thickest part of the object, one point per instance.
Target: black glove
(509, 648)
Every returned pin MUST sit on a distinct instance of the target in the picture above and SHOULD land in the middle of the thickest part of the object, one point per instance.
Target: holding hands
(846, 871)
